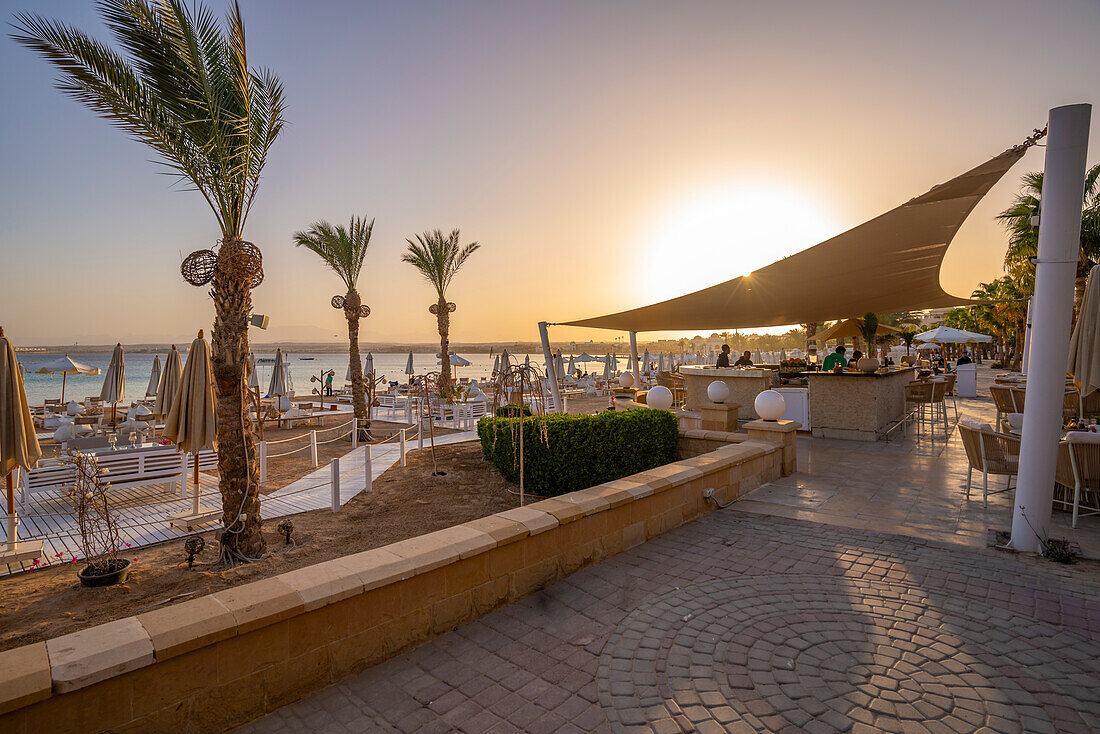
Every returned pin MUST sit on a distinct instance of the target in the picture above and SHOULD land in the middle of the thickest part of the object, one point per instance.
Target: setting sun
(733, 229)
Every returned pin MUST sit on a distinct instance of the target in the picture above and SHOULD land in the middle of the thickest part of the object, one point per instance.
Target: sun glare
(722, 233)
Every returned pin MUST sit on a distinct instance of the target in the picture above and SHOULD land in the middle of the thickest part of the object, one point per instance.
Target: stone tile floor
(911, 487)
(740, 622)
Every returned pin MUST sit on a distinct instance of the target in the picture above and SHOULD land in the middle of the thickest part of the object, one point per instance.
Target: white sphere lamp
(770, 405)
(659, 398)
(718, 391)
(626, 380)
(73, 408)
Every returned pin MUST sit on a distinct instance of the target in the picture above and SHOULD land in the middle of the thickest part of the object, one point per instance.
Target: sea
(302, 366)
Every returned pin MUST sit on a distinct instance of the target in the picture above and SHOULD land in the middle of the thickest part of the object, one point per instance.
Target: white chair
(1084, 458)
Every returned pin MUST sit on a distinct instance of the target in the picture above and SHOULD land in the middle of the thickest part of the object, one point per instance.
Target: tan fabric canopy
(849, 329)
(190, 422)
(18, 443)
(889, 264)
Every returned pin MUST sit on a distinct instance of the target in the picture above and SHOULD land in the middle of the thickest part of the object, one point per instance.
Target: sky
(606, 155)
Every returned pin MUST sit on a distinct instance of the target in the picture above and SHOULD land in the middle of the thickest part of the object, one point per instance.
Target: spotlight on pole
(259, 321)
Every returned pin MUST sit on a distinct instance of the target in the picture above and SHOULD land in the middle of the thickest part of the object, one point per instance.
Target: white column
(368, 468)
(184, 463)
(313, 447)
(551, 371)
(336, 485)
(1059, 244)
(1027, 338)
(263, 463)
(355, 433)
(634, 360)
(402, 447)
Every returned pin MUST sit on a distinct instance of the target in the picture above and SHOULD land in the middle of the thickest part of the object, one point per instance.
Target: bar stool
(939, 404)
(918, 403)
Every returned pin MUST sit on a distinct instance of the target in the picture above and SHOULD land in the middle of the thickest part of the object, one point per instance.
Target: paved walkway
(741, 622)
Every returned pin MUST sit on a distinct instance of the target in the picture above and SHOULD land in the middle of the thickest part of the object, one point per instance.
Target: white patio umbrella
(277, 387)
(455, 360)
(169, 382)
(586, 357)
(1084, 345)
(65, 366)
(154, 378)
(18, 444)
(409, 366)
(190, 423)
(114, 382)
(948, 335)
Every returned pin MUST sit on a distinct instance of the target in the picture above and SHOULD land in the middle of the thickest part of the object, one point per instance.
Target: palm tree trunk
(352, 302)
(238, 468)
(443, 321)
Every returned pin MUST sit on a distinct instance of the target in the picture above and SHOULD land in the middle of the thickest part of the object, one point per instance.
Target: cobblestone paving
(742, 622)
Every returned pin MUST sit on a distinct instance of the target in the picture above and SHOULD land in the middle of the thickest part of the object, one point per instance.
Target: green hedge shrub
(513, 411)
(580, 451)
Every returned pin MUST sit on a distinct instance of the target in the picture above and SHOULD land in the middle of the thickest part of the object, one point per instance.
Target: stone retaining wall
(217, 661)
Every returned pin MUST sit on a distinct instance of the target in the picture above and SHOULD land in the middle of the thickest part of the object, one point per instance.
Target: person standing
(834, 359)
(724, 357)
(328, 383)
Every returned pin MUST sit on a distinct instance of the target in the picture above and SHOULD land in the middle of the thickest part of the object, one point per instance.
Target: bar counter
(744, 384)
(857, 406)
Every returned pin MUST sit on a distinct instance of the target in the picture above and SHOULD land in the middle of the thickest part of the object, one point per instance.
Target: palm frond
(341, 248)
(438, 257)
(181, 85)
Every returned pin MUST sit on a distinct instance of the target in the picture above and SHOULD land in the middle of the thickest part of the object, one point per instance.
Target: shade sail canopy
(849, 329)
(888, 264)
(948, 335)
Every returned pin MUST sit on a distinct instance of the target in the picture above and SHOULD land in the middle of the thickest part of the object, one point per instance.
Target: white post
(1056, 268)
(402, 447)
(313, 447)
(13, 531)
(263, 463)
(420, 430)
(408, 409)
(634, 360)
(551, 371)
(355, 433)
(336, 485)
(368, 468)
(183, 475)
(1027, 338)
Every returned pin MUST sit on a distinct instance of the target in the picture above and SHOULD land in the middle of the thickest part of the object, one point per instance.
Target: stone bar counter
(857, 406)
(744, 385)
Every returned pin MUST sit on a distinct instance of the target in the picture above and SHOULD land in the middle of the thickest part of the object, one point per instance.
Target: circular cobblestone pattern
(833, 654)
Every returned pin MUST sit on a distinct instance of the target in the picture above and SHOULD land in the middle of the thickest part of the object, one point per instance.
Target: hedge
(512, 411)
(580, 451)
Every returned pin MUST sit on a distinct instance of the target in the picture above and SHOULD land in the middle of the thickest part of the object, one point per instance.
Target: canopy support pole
(634, 360)
(1059, 244)
(551, 372)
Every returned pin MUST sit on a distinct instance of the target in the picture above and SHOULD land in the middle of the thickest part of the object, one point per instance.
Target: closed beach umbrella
(496, 364)
(368, 365)
(559, 366)
(114, 382)
(65, 366)
(1084, 345)
(645, 361)
(277, 388)
(18, 443)
(409, 365)
(607, 367)
(169, 382)
(190, 422)
(154, 378)
(253, 376)
(527, 360)
(572, 366)
(504, 364)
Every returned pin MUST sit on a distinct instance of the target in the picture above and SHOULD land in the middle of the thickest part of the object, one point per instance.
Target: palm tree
(439, 258)
(182, 85)
(343, 249)
(1023, 236)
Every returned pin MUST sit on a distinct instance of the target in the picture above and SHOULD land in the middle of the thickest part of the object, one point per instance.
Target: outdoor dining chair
(990, 451)
(1084, 458)
(1003, 399)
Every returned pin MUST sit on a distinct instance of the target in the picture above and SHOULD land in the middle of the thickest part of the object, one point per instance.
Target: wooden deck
(142, 512)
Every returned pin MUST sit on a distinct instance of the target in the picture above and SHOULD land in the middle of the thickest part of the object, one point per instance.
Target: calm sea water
(138, 366)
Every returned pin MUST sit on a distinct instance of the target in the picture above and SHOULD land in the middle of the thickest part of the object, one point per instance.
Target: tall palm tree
(1023, 236)
(439, 257)
(182, 85)
(343, 249)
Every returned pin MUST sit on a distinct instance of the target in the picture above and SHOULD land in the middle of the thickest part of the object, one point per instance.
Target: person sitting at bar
(724, 357)
(834, 359)
(856, 356)
(745, 360)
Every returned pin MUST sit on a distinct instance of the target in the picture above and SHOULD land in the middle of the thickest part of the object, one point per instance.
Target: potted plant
(907, 338)
(99, 538)
(868, 327)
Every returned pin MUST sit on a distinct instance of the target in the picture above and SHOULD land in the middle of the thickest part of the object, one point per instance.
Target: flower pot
(108, 574)
(867, 364)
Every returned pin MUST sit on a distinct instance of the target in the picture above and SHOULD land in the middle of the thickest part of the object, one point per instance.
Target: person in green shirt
(837, 357)
(328, 383)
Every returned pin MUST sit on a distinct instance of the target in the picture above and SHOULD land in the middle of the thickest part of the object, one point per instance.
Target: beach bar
(744, 385)
(858, 406)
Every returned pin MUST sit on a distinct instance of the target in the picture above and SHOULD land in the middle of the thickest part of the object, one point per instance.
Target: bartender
(854, 361)
(745, 360)
(724, 357)
(834, 359)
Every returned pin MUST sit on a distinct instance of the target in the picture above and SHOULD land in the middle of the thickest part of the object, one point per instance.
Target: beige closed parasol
(169, 382)
(18, 447)
(190, 422)
(1084, 345)
(114, 382)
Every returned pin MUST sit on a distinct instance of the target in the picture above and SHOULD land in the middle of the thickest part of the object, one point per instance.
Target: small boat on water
(305, 358)
(265, 360)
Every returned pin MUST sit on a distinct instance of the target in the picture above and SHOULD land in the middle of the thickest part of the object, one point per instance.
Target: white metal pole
(420, 431)
(313, 447)
(634, 360)
(1056, 268)
(368, 468)
(551, 370)
(336, 485)
(1027, 338)
(263, 463)
(402, 447)
(183, 475)
(355, 433)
